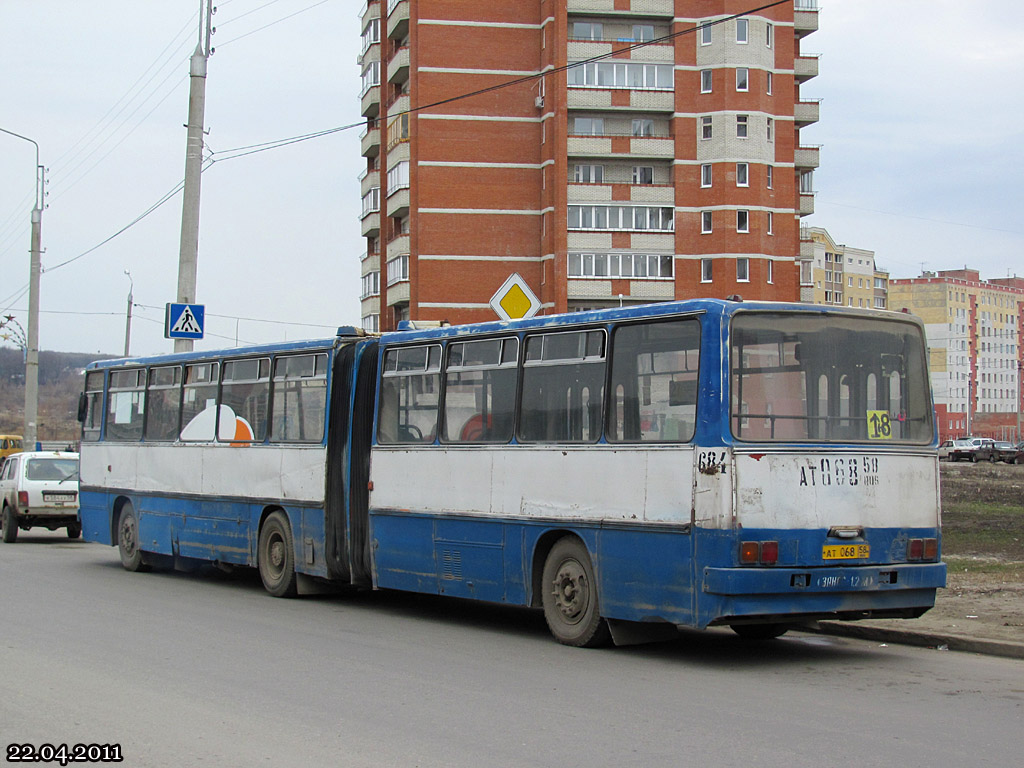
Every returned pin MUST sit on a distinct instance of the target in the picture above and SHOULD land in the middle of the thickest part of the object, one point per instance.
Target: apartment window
(370, 77)
(371, 34)
(588, 126)
(643, 33)
(742, 174)
(705, 128)
(771, 225)
(370, 285)
(828, 275)
(769, 35)
(588, 174)
(807, 184)
(768, 83)
(587, 30)
(768, 175)
(621, 217)
(620, 265)
(621, 74)
(705, 81)
(742, 79)
(741, 126)
(398, 177)
(851, 282)
(742, 29)
(771, 268)
(742, 221)
(771, 128)
(743, 270)
(643, 126)
(705, 222)
(850, 302)
(371, 201)
(705, 175)
(806, 272)
(705, 270)
(643, 174)
(705, 33)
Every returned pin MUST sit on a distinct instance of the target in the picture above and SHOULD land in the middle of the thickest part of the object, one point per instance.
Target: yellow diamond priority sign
(515, 300)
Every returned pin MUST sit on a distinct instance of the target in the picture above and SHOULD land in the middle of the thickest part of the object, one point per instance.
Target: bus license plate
(845, 551)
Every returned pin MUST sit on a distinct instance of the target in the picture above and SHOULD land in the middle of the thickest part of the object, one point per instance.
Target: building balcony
(368, 181)
(369, 141)
(805, 17)
(652, 146)
(398, 270)
(665, 8)
(806, 203)
(369, 261)
(805, 67)
(399, 245)
(370, 10)
(806, 112)
(398, 19)
(399, 104)
(398, 294)
(807, 156)
(398, 201)
(371, 53)
(370, 101)
(369, 224)
(589, 145)
(398, 66)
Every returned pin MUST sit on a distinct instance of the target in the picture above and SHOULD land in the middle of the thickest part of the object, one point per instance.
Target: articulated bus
(628, 471)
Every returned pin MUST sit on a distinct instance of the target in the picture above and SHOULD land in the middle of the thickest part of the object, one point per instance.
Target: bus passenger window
(164, 394)
(409, 395)
(93, 421)
(126, 406)
(199, 402)
(654, 376)
(563, 387)
(300, 399)
(480, 391)
(244, 397)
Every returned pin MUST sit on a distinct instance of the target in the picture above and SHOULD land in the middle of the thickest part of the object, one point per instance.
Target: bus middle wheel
(276, 557)
(569, 596)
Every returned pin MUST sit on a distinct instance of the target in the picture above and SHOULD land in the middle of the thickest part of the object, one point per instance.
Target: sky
(921, 134)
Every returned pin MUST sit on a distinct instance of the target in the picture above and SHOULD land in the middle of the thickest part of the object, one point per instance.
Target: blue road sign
(184, 321)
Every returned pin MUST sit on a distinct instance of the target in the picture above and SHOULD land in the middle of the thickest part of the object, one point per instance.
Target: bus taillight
(922, 549)
(763, 552)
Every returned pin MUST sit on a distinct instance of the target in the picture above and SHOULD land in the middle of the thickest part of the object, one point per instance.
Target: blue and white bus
(696, 463)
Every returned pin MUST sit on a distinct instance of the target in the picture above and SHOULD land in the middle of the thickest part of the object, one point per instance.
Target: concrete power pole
(189, 249)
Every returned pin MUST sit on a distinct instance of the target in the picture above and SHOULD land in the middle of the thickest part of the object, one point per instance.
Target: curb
(1006, 648)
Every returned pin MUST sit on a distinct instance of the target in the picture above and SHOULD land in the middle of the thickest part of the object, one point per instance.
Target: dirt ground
(983, 547)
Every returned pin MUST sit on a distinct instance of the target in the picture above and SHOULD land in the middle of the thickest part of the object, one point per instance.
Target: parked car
(1017, 455)
(1004, 451)
(985, 449)
(959, 449)
(39, 489)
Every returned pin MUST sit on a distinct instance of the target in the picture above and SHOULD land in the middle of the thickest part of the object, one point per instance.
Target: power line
(271, 24)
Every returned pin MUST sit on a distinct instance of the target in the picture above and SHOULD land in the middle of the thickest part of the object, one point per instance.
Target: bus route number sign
(879, 425)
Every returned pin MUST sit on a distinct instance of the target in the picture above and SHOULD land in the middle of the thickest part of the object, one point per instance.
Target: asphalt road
(206, 669)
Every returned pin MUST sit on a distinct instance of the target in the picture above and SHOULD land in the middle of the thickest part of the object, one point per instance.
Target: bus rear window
(828, 378)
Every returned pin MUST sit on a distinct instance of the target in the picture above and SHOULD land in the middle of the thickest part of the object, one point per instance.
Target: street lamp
(32, 347)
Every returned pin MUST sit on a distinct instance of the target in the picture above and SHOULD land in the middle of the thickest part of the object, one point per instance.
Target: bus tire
(569, 596)
(128, 540)
(757, 632)
(74, 530)
(10, 526)
(276, 556)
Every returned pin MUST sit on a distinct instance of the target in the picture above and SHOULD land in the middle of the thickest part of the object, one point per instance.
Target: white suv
(39, 489)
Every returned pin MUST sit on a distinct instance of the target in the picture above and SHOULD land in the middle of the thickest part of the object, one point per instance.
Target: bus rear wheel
(276, 556)
(569, 596)
(759, 631)
(128, 540)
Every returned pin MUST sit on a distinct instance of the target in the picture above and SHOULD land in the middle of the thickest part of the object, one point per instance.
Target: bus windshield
(828, 378)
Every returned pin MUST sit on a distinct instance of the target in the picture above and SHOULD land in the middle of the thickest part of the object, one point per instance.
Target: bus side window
(164, 395)
(409, 395)
(245, 390)
(480, 391)
(299, 399)
(93, 417)
(654, 378)
(126, 405)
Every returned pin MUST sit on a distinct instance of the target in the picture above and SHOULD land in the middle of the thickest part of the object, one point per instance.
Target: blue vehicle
(627, 471)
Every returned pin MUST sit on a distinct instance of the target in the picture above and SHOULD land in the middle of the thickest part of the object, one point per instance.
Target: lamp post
(128, 317)
(32, 347)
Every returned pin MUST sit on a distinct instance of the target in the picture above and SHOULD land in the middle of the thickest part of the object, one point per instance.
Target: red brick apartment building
(663, 171)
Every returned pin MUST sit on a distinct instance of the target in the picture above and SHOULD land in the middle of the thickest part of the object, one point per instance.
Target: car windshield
(50, 469)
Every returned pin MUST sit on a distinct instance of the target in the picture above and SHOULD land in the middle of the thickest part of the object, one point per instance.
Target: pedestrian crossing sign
(184, 321)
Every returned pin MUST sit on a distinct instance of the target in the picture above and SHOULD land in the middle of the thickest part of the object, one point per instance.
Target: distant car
(960, 449)
(1016, 456)
(1004, 451)
(39, 489)
(985, 449)
(945, 449)
(10, 444)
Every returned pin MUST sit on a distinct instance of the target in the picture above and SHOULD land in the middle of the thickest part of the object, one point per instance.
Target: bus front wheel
(276, 557)
(569, 596)
(128, 540)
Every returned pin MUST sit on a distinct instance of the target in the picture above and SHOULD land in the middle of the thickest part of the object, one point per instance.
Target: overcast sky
(920, 126)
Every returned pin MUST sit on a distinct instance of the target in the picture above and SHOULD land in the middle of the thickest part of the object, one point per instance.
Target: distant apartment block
(974, 329)
(649, 150)
(840, 275)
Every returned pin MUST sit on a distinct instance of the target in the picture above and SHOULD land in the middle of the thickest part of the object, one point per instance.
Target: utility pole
(35, 268)
(128, 320)
(189, 249)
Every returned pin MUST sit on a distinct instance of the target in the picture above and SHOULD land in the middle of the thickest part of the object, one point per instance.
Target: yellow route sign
(515, 300)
